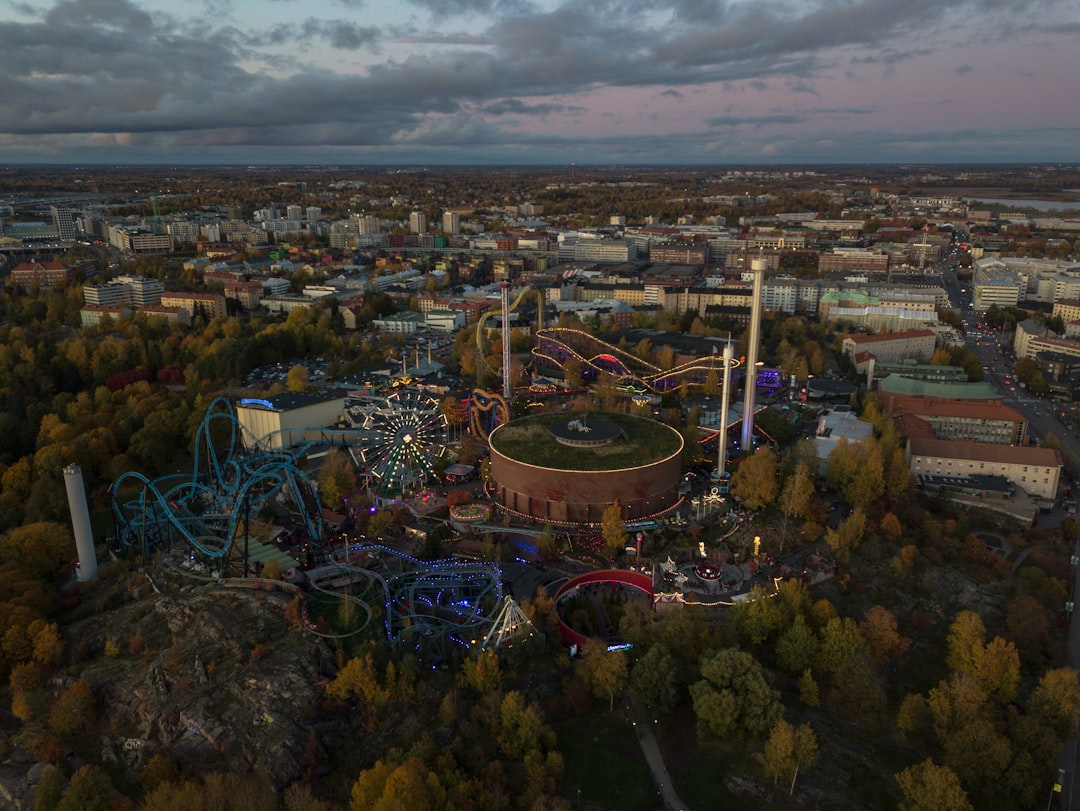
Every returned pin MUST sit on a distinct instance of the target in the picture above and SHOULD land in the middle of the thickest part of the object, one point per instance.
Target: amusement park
(444, 526)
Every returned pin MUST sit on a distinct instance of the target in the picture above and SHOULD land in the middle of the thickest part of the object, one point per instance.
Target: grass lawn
(604, 761)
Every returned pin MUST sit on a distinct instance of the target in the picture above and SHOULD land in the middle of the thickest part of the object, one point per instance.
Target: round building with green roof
(568, 468)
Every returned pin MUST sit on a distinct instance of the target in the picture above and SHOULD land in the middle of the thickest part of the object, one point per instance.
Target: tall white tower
(504, 288)
(80, 523)
(729, 356)
(757, 267)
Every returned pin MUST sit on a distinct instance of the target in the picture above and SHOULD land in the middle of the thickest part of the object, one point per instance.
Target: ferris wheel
(403, 440)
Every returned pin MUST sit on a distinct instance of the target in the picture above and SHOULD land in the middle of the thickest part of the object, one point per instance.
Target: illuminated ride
(487, 411)
(556, 346)
(433, 607)
(481, 324)
(402, 440)
(206, 509)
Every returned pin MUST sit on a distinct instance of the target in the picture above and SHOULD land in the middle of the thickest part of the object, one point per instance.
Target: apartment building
(892, 346)
(208, 305)
(1036, 471)
(39, 274)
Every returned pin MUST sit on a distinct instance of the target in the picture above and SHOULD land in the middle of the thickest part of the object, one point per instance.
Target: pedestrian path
(653, 757)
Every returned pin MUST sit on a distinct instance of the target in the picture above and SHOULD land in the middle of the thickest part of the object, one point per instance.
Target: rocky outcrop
(214, 678)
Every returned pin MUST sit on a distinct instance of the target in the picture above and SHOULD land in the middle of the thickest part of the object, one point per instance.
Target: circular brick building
(568, 468)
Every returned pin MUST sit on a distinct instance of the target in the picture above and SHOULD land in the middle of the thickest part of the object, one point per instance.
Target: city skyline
(483, 82)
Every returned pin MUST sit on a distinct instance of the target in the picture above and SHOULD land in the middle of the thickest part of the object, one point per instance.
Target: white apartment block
(144, 291)
(183, 232)
(112, 294)
(1031, 338)
(136, 241)
(603, 250)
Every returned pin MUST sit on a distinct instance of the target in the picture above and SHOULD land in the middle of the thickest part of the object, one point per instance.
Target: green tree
(840, 639)
(733, 697)
(759, 616)
(796, 647)
(754, 480)
(655, 679)
(929, 787)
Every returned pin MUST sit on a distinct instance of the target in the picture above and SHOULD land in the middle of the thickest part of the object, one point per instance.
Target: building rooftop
(971, 451)
(529, 440)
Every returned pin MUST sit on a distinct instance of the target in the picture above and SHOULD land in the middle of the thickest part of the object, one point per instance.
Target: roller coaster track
(557, 345)
(226, 484)
(429, 604)
(481, 324)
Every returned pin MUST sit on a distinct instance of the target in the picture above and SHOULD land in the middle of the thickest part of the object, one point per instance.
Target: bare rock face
(215, 678)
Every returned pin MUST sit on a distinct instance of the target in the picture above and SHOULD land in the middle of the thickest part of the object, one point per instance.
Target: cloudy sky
(539, 81)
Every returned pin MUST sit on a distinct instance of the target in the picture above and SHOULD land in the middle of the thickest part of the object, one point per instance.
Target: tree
(733, 697)
(604, 671)
(90, 790)
(1055, 701)
(999, 670)
(796, 497)
(336, 479)
(521, 728)
(840, 639)
(297, 378)
(73, 710)
(655, 679)
(846, 538)
(879, 630)
(778, 757)
(613, 529)
(796, 647)
(547, 546)
(965, 641)
(929, 787)
(759, 616)
(386, 788)
(573, 373)
(754, 480)
(50, 789)
(481, 672)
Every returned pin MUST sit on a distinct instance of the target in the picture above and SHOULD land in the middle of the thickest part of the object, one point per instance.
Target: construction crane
(158, 227)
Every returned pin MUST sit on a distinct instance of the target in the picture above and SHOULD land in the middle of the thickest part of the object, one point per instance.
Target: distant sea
(1038, 205)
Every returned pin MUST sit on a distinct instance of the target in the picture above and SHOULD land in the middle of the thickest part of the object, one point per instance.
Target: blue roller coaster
(205, 510)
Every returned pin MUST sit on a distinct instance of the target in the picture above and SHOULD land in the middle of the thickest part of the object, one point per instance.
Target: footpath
(655, 760)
